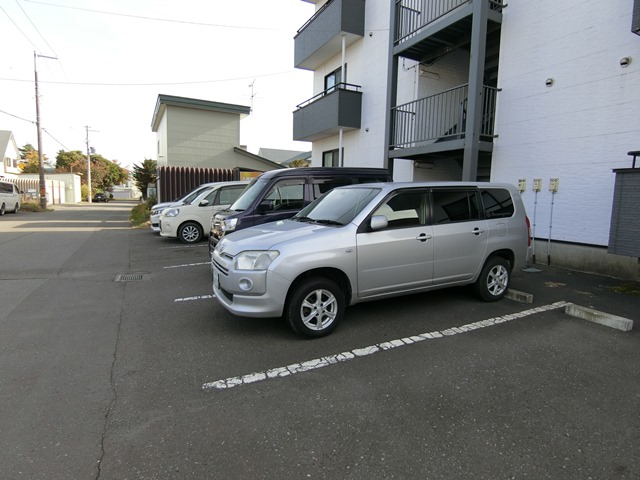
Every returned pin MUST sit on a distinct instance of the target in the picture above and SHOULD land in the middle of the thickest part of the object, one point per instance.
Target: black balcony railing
(337, 86)
(413, 15)
(314, 16)
(440, 117)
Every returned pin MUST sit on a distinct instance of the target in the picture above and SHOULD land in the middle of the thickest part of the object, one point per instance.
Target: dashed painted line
(188, 265)
(322, 362)
(197, 297)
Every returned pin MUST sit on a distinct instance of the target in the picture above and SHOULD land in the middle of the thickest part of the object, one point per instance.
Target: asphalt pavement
(116, 363)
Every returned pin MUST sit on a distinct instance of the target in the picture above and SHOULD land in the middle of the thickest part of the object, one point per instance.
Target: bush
(31, 205)
(140, 214)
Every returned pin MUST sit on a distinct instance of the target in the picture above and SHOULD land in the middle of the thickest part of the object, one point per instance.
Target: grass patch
(629, 288)
(33, 206)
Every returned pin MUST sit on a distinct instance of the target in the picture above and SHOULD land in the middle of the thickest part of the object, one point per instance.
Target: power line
(19, 29)
(60, 143)
(96, 84)
(157, 19)
(16, 116)
(36, 29)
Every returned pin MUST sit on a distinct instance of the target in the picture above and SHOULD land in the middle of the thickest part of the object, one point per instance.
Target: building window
(334, 78)
(331, 158)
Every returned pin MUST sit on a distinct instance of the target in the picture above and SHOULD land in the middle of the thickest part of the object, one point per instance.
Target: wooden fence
(175, 182)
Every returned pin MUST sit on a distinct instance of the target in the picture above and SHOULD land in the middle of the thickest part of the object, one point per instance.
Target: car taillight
(528, 231)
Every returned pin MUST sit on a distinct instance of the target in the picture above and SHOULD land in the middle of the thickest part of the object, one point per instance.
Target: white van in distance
(10, 200)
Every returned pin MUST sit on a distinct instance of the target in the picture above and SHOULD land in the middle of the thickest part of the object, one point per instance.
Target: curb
(606, 319)
(519, 296)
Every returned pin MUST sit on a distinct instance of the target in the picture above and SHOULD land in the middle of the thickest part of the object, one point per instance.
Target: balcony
(323, 116)
(428, 29)
(439, 123)
(321, 37)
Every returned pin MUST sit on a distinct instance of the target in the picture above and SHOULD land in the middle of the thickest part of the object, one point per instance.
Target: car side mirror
(378, 222)
(203, 203)
(265, 206)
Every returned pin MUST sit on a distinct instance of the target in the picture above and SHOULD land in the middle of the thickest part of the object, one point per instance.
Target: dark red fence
(175, 182)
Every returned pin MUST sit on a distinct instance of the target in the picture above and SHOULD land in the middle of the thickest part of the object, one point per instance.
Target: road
(116, 363)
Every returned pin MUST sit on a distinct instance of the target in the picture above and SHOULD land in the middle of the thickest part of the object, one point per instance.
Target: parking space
(436, 385)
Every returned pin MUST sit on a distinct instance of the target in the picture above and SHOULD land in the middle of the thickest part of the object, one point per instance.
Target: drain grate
(129, 277)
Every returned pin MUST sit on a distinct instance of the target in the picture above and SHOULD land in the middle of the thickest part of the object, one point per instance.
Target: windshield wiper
(303, 219)
(325, 221)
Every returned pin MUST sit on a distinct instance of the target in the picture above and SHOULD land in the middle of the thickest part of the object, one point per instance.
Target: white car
(157, 209)
(9, 198)
(188, 222)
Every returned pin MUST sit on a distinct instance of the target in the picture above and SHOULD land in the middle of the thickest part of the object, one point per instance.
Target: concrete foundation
(585, 258)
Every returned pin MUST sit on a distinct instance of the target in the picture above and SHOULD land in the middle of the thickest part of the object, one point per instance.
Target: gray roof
(165, 100)
(278, 155)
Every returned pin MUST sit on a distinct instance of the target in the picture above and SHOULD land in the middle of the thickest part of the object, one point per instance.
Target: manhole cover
(129, 277)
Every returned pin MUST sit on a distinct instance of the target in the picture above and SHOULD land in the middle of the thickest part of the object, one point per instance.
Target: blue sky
(114, 58)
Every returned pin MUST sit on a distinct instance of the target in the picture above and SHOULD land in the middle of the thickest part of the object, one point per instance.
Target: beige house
(204, 134)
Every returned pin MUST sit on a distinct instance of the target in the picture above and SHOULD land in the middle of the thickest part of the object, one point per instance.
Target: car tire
(2, 210)
(190, 232)
(494, 279)
(315, 307)
(16, 209)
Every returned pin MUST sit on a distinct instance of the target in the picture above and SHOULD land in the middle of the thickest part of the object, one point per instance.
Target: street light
(43, 188)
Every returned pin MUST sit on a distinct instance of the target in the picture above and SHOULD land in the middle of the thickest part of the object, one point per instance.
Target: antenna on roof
(252, 95)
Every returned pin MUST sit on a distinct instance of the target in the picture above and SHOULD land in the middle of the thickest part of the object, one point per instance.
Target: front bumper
(263, 293)
(166, 229)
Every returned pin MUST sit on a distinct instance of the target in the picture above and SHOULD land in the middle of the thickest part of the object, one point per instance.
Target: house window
(334, 78)
(331, 158)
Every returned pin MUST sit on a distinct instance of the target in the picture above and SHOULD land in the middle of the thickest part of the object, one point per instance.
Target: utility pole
(89, 163)
(42, 184)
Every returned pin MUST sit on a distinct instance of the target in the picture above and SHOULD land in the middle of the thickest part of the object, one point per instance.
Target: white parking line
(188, 265)
(362, 352)
(197, 297)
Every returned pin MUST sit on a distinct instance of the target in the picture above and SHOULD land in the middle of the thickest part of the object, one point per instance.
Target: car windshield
(337, 207)
(193, 195)
(249, 195)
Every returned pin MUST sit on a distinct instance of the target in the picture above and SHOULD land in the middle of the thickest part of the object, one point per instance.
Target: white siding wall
(202, 138)
(161, 140)
(579, 129)
(367, 62)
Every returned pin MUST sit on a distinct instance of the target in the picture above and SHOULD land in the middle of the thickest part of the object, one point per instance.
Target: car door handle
(477, 231)
(423, 237)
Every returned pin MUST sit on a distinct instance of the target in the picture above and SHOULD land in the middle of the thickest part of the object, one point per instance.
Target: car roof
(333, 171)
(388, 186)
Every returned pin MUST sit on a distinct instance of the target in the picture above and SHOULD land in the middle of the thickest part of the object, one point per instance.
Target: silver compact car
(372, 241)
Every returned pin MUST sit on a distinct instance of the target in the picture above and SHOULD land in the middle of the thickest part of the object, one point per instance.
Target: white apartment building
(544, 95)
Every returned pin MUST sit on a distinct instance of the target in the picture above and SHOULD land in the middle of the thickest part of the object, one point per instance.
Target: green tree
(30, 162)
(104, 173)
(145, 174)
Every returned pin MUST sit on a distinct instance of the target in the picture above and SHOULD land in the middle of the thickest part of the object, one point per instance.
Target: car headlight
(229, 224)
(254, 259)
(171, 212)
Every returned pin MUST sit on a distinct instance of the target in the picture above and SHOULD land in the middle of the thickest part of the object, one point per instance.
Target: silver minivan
(10, 200)
(372, 241)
